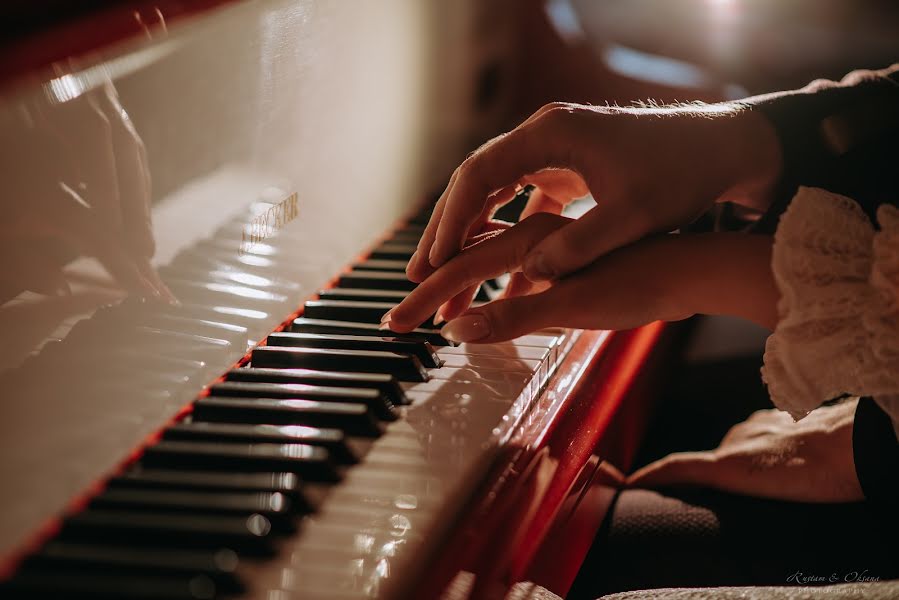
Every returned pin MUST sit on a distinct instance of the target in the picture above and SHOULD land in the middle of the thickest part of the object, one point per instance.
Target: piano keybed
(333, 459)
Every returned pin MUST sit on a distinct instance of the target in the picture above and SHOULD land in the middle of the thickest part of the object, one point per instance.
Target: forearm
(722, 274)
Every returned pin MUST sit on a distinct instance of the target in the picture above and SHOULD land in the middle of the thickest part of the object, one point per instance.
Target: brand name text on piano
(267, 223)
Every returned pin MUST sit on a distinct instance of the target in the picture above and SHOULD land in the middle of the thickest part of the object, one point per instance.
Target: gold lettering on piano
(267, 223)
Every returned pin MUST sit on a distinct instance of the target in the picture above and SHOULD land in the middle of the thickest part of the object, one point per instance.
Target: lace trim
(838, 331)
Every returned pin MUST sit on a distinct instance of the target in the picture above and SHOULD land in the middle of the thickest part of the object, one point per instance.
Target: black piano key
(421, 218)
(406, 236)
(387, 384)
(363, 295)
(376, 280)
(413, 226)
(393, 251)
(333, 440)
(347, 310)
(403, 367)
(285, 483)
(353, 418)
(53, 583)
(382, 264)
(309, 462)
(419, 348)
(493, 285)
(307, 325)
(511, 211)
(379, 404)
(275, 507)
(354, 311)
(104, 560)
(246, 535)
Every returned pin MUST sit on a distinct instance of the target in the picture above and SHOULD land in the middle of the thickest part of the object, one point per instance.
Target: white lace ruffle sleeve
(838, 328)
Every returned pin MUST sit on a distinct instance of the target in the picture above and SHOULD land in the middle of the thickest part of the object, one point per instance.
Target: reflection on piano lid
(183, 449)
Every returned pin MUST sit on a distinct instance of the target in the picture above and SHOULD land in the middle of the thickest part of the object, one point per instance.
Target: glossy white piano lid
(162, 156)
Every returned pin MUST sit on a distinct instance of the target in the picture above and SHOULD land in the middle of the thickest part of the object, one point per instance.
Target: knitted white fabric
(838, 328)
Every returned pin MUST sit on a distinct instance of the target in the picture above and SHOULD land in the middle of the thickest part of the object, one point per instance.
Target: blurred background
(680, 50)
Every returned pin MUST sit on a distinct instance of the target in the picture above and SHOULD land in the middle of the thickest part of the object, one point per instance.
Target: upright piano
(207, 206)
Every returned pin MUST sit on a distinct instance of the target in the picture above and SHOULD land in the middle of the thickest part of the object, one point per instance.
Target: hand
(78, 182)
(770, 456)
(665, 277)
(649, 169)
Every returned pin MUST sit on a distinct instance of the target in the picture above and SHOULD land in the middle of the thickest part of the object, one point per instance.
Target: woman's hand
(650, 170)
(770, 456)
(666, 277)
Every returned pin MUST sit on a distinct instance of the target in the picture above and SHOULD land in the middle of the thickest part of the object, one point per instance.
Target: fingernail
(469, 328)
(438, 318)
(434, 258)
(537, 269)
(386, 318)
(384, 326)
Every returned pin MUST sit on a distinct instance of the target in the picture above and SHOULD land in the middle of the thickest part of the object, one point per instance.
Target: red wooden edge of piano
(535, 517)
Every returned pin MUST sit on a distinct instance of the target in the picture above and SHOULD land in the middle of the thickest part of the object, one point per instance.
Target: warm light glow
(363, 543)
(244, 278)
(255, 261)
(298, 430)
(70, 86)
(400, 524)
(239, 290)
(240, 312)
(405, 501)
(261, 249)
(65, 88)
(723, 38)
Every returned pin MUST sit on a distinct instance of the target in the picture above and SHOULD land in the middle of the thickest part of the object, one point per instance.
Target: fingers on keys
(493, 256)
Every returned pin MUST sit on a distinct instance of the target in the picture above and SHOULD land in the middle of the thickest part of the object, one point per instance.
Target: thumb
(500, 320)
(681, 468)
(579, 243)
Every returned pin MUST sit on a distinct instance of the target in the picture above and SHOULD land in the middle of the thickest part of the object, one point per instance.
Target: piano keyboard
(330, 462)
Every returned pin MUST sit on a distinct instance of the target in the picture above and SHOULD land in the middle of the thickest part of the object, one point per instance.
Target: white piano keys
(393, 507)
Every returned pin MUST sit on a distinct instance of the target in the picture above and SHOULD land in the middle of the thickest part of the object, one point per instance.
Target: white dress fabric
(838, 328)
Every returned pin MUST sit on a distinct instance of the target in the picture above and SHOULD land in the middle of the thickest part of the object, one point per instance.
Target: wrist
(753, 152)
(722, 274)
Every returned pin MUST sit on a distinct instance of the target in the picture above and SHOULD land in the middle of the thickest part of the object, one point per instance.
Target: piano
(208, 205)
